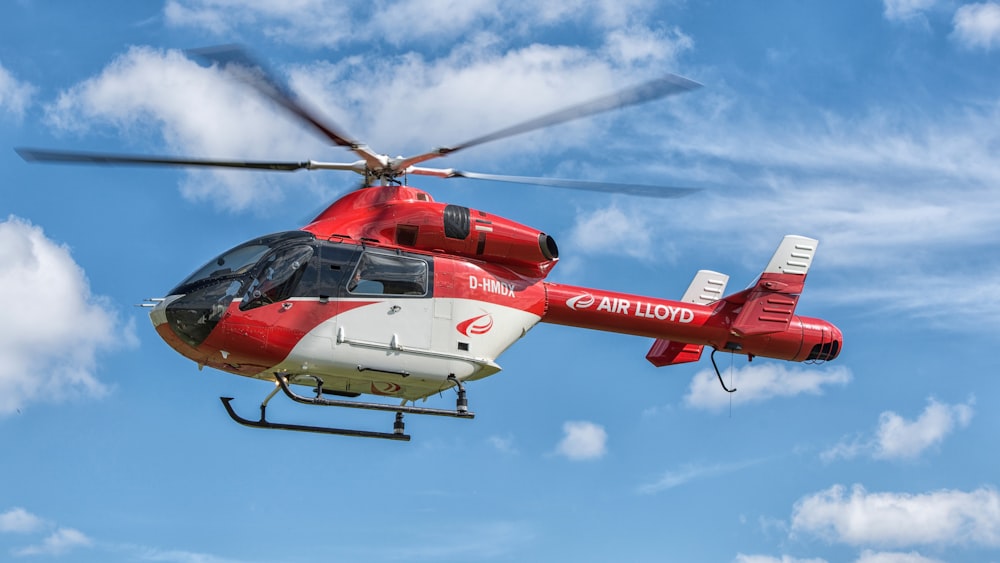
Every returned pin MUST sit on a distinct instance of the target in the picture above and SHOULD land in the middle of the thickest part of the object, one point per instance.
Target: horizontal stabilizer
(770, 304)
(667, 353)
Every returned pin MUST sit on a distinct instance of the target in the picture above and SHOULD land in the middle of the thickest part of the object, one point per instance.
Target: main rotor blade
(642, 190)
(257, 76)
(646, 92)
(73, 157)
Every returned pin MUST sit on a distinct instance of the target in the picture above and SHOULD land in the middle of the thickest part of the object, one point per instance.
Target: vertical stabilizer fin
(769, 305)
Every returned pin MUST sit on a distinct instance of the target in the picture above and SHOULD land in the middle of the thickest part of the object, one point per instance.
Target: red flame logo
(385, 388)
(582, 301)
(476, 325)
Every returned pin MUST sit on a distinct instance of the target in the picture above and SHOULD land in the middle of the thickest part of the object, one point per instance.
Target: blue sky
(873, 126)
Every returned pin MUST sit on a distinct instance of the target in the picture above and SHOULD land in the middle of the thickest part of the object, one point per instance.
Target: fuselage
(390, 293)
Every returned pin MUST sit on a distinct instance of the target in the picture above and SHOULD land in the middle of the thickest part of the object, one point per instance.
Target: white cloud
(436, 19)
(901, 10)
(760, 382)
(611, 231)
(503, 444)
(888, 172)
(428, 101)
(19, 520)
(640, 43)
(913, 295)
(691, 472)
(848, 448)
(431, 102)
(421, 102)
(53, 327)
(196, 110)
(582, 441)
(59, 542)
(898, 438)
(15, 95)
(896, 195)
(869, 556)
(977, 26)
(304, 22)
(938, 518)
(331, 23)
(743, 558)
(143, 553)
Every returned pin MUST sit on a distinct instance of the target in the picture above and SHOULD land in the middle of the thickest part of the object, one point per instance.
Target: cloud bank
(53, 327)
(897, 438)
(759, 382)
(939, 518)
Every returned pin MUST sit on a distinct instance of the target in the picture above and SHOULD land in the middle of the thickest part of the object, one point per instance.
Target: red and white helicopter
(390, 293)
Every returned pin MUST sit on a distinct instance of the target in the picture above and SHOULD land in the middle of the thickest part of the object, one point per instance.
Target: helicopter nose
(158, 312)
(191, 317)
(164, 328)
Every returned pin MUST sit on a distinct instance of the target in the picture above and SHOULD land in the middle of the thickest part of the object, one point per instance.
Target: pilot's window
(237, 261)
(277, 276)
(384, 274)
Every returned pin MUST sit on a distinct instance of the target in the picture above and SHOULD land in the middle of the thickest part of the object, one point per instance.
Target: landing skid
(264, 423)
(398, 427)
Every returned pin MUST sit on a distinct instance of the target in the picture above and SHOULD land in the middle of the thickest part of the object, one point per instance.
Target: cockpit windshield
(237, 261)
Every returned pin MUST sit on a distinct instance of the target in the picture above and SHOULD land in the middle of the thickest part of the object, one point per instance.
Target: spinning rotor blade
(375, 167)
(604, 187)
(255, 75)
(73, 157)
(646, 92)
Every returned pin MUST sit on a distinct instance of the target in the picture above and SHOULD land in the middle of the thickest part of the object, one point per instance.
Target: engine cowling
(476, 234)
(407, 217)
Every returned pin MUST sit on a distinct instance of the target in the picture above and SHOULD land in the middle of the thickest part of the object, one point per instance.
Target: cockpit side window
(336, 263)
(386, 274)
(278, 275)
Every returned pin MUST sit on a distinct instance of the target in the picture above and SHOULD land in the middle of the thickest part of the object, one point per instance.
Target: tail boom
(758, 321)
(687, 326)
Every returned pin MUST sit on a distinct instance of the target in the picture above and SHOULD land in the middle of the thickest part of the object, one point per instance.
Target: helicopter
(388, 293)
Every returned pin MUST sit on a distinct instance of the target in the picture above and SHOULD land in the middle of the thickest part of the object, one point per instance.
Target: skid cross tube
(457, 413)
